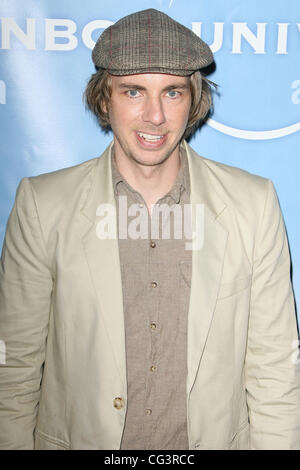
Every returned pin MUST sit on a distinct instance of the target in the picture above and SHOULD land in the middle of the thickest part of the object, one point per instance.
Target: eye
(173, 94)
(133, 93)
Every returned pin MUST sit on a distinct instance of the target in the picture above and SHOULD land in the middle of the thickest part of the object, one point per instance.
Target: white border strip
(2, 352)
(254, 135)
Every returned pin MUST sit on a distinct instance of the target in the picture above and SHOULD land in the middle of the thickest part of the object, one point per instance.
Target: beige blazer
(62, 325)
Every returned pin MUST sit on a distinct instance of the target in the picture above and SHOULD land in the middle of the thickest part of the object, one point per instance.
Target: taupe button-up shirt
(156, 276)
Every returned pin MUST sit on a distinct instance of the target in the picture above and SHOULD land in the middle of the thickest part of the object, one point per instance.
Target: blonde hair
(98, 92)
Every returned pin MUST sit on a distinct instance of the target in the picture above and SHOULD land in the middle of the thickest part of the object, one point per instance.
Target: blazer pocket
(231, 288)
(43, 441)
(240, 440)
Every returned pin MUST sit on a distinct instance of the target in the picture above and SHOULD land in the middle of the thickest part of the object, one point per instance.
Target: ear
(103, 106)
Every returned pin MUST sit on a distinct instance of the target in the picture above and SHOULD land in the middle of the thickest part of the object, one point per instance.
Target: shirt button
(149, 412)
(118, 403)
(153, 368)
(152, 326)
(153, 284)
(152, 244)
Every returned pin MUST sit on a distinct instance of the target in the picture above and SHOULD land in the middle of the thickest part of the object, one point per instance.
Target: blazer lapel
(207, 261)
(103, 260)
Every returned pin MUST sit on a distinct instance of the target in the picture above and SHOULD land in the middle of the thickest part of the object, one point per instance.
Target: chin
(152, 160)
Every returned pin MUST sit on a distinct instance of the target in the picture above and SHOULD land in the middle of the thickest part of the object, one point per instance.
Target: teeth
(149, 137)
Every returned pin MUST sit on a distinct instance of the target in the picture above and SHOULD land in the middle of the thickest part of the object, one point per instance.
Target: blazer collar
(101, 189)
(202, 182)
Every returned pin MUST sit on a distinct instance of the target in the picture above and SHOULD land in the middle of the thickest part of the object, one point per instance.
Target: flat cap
(150, 41)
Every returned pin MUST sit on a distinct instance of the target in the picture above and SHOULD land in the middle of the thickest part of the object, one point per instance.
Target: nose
(153, 111)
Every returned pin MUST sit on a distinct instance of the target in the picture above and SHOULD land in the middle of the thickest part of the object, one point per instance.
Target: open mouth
(150, 137)
(151, 141)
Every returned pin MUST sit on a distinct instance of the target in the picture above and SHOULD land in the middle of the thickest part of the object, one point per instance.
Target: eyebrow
(139, 87)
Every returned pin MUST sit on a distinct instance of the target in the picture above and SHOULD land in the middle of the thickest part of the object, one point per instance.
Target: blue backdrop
(46, 62)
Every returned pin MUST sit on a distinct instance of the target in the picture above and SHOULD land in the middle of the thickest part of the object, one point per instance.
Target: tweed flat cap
(150, 41)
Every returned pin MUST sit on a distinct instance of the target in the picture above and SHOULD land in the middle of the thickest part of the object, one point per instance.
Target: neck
(152, 182)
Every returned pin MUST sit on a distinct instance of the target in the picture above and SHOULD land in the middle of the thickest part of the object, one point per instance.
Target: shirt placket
(152, 278)
(155, 335)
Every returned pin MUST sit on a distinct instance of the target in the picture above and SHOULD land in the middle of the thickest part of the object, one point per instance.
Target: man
(116, 338)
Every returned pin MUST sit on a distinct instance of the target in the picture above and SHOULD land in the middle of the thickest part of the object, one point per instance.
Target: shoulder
(235, 186)
(63, 183)
(54, 198)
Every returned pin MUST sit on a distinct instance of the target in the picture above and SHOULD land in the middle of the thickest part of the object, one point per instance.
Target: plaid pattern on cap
(150, 41)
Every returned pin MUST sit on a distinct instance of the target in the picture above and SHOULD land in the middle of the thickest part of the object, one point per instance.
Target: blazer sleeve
(272, 370)
(25, 299)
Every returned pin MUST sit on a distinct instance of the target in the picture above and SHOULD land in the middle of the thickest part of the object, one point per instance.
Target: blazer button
(118, 403)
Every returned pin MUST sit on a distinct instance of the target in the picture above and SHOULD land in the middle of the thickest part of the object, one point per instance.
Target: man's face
(148, 115)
